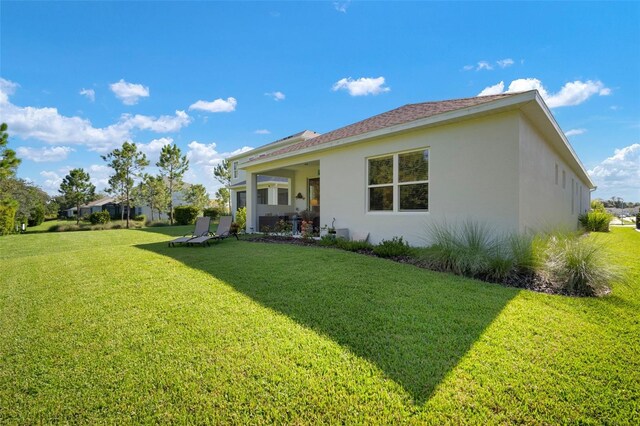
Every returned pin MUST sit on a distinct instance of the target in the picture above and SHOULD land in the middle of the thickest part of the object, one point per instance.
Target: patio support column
(252, 200)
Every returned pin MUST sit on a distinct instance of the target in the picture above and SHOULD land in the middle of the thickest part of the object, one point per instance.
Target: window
(573, 196)
(283, 197)
(241, 199)
(399, 182)
(263, 196)
(564, 179)
(234, 167)
(556, 173)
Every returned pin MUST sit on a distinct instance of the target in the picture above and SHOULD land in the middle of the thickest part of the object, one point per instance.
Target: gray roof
(262, 179)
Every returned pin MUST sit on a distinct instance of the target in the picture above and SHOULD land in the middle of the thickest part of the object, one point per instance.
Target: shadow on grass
(415, 325)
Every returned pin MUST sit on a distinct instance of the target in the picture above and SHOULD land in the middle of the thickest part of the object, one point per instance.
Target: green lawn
(115, 327)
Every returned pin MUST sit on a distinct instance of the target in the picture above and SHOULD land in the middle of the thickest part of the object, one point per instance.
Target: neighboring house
(500, 160)
(109, 204)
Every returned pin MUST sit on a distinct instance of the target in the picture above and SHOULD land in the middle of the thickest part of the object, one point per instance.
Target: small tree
(127, 164)
(222, 173)
(197, 196)
(153, 191)
(222, 197)
(8, 160)
(172, 167)
(77, 189)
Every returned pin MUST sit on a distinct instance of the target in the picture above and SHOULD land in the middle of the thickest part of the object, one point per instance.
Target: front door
(314, 195)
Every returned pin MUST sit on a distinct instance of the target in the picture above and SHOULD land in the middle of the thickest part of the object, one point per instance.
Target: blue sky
(79, 78)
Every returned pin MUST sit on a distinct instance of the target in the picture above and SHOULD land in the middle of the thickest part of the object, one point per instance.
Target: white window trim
(234, 166)
(395, 184)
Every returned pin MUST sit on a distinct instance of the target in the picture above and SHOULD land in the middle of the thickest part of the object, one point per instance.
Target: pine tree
(127, 164)
(172, 167)
(77, 189)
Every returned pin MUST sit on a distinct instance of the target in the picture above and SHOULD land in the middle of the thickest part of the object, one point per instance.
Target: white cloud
(277, 96)
(574, 132)
(162, 124)
(492, 90)
(572, 93)
(619, 174)
(341, 6)
(7, 88)
(484, 65)
(153, 148)
(504, 63)
(48, 125)
(219, 105)
(44, 155)
(468, 67)
(89, 93)
(362, 86)
(52, 181)
(202, 160)
(99, 174)
(129, 93)
(262, 132)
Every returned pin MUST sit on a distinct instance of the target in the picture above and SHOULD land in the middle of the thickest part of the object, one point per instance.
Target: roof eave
(451, 116)
(561, 139)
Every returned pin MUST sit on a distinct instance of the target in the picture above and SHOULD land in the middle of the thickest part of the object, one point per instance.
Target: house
(501, 160)
(109, 204)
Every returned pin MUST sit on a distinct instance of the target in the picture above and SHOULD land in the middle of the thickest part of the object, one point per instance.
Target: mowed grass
(113, 326)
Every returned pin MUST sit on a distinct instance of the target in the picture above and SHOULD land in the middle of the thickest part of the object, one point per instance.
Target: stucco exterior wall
(473, 175)
(545, 204)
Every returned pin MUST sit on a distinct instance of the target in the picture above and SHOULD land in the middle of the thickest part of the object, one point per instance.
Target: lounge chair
(201, 229)
(223, 231)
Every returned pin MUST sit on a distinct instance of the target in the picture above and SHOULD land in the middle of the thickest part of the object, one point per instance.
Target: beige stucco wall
(545, 205)
(473, 175)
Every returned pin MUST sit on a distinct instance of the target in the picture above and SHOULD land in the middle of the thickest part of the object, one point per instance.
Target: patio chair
(223, 231)
(201, 229)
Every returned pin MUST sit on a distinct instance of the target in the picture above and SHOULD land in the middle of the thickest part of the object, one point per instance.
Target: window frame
(395, 184)
(234, 167)
(265, 196)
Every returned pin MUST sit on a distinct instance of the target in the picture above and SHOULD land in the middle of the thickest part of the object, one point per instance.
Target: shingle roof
(404, 114)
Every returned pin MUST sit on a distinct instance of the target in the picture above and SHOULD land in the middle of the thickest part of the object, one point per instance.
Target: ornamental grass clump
(578, 266)
(467, 250)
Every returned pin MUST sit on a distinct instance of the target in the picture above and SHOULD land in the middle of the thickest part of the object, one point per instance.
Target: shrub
(241, 218)
(99, 217)
(213, 213)
(638, 220)
(595, 221)
(185, 215)
(578, 266)
(328, 240)
(598, 206)
(283, 227)
(395, 247)
(36, 217)
(8, 210)
(156, 223)
(352, 245)
(140, 218)
(234, 228)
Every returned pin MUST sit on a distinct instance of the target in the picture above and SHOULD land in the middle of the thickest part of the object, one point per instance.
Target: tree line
(129, 184)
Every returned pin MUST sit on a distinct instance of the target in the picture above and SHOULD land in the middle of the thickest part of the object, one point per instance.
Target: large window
(399, 182)
(241, 199)
(283, 197)
(263, 196)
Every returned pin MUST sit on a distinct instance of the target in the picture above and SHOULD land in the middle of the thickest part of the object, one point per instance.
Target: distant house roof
(404, 114)
(98, 203)
(262, 179)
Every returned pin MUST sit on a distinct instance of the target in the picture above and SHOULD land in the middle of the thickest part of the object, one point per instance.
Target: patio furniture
(201, 229)
(223, 231)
